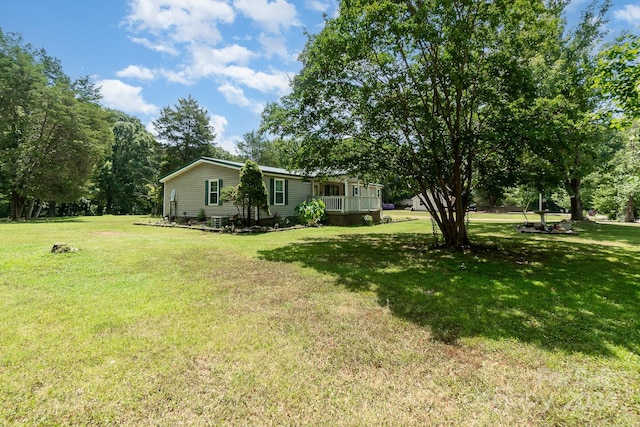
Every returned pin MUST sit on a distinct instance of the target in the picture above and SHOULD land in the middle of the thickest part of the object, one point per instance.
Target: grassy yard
(323, 326)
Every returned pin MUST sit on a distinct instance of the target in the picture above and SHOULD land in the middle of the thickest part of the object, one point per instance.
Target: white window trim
(276, 192)
(217, 193)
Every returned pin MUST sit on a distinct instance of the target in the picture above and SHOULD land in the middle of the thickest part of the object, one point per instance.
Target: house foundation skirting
(352, 218)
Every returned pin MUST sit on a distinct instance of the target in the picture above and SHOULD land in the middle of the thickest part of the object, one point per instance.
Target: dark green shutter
(286, 191)
(272, 191)
(220, 192)
(206, 193)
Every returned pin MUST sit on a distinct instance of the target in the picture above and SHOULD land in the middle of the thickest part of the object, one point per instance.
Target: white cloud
(219, 124)
(270, 15)
(318, 6)
(234, 54)
(124, 97)
(189, 30)
(277, 82)
(207, 62)
(235, 95)
(162, 47)
(630, 13)
(275, 46)
(136, 72)
(230, 63)
(180, 20)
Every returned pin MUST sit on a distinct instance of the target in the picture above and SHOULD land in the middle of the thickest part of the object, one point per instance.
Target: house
(419, 204)
(198, 185)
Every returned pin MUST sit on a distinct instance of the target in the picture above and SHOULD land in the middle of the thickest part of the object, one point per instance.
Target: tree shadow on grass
(557, 295)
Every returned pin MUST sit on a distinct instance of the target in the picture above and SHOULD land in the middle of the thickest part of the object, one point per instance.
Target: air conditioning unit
(219, 221)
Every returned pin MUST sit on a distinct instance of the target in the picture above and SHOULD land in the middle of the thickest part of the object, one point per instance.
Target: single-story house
(198, 185)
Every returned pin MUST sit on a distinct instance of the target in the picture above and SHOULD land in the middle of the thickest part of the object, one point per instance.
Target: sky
(232, 56)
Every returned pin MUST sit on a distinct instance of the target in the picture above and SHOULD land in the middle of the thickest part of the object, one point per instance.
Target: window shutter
(286, 191)
(206, 193)
(272, 191)
(220, 192)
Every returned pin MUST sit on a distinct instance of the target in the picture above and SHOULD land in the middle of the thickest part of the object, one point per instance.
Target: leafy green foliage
(52, 131)
(406, 89)
(185, 133)
(311, 212)
(618, 76)
(254, 146)
(568, 140)
(252, 192)
(618, 193)
(127, 181)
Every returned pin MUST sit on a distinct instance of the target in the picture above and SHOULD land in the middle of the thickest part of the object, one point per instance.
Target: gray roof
(231, 165)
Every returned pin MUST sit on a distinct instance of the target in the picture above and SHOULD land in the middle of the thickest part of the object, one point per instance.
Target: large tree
(125, 182)
(251, 192)
(255, 146)
(618, 182)
(618, 76)
(185, 132)
(405, 87)
(52, 130)
(569, 139)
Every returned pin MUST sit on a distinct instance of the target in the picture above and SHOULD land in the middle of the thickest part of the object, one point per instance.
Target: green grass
(323, 326)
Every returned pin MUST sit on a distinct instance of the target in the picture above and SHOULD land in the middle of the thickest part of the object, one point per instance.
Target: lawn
(321, 326)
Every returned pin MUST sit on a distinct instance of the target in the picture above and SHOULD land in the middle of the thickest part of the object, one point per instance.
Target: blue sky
(232, 56)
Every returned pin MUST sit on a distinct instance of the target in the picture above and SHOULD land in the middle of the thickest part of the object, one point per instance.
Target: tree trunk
(37, 215)
(573, 187)
(576, 209)
(17, 206)
(455, 235)
(109, 205)
(52, 209)
(32, 205)
(629, 214)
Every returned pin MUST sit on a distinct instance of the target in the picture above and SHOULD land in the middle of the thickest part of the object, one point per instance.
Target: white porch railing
(350, 204)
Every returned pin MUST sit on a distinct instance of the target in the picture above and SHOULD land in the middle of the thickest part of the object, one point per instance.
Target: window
(214, 192)
(212, 189)
(331, 190)
(278, 191)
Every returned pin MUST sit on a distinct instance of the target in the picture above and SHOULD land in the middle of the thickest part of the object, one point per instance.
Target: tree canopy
(52, 131)
(126, 180)
(412, 88)
(251, 192)
(618, 76)
(185, 132)
(254, 146)
(569, 139)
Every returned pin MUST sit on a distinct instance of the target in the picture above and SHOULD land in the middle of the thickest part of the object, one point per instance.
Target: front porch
(346, 204)
(348, 195)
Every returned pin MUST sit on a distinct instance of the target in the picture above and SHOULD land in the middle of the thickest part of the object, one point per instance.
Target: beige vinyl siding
(190, 191)
(298, 192)
(190, 188)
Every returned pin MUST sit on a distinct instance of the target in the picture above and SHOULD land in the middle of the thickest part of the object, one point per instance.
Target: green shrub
(311, 212)
(202, 216)
(368, 220)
